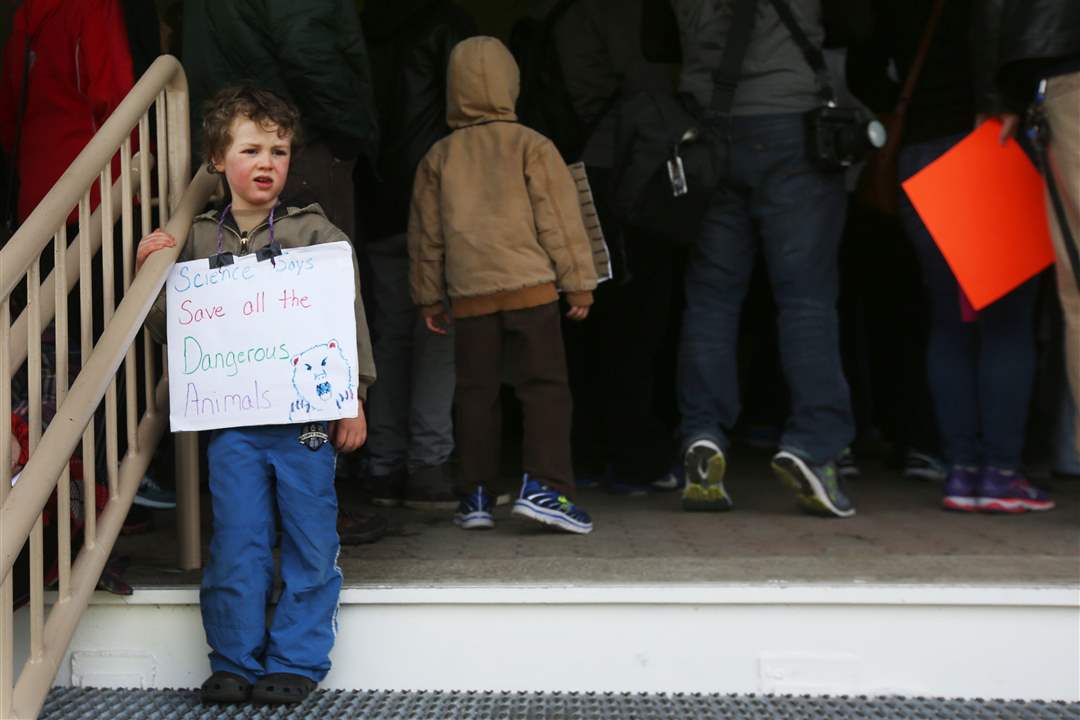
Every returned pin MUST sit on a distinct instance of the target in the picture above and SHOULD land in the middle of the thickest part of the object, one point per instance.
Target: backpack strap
(726, 77)
(815, 58)
(1040, 133)
(920, 56)
(1060, 214)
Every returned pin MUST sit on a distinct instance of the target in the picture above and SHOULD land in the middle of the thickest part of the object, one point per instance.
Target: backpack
(671, 161)
(668, 169)
(544, 103)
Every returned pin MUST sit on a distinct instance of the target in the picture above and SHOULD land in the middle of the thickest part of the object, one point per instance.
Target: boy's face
(255, 164)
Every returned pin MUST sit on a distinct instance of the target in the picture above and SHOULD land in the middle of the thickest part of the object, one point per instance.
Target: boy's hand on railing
(578, 312)
(438, 323)
(349, 434)
(157, 240)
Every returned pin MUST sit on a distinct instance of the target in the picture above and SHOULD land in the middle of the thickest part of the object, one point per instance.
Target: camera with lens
(837, 137)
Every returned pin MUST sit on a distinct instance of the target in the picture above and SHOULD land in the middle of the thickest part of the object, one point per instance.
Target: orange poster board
(983, 204)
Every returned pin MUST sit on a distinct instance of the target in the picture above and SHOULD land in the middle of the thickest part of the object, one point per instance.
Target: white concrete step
(1014, 642)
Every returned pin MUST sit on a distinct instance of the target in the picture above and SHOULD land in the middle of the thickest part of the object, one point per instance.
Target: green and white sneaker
(817, 488)
(704, 465)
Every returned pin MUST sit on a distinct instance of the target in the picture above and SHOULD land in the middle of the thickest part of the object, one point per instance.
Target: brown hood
(482, 83)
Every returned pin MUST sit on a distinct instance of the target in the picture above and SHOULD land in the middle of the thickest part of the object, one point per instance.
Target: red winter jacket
(80, 70)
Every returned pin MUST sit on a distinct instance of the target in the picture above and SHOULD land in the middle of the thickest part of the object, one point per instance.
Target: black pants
(614, 357)
(526, 347)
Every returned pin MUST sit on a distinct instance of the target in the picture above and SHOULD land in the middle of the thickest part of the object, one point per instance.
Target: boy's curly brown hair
(263, 107)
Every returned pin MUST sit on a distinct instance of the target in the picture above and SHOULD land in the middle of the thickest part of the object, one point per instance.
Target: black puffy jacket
(410, 43)
(311, 52)
(1018, 42)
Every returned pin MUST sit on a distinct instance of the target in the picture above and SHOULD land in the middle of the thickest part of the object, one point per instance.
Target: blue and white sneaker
(540, 503)
(474, 511)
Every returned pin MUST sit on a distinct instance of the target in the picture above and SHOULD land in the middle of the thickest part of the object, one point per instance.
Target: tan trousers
(1063, 111)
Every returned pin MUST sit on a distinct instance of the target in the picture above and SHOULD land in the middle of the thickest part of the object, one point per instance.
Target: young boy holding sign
(249, 136)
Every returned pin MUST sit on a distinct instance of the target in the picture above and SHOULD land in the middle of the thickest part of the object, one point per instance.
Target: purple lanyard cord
(221, 221)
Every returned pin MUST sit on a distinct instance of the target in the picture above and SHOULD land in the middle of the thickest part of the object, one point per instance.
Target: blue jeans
(775, 201)
(981, 373)
(250, 468)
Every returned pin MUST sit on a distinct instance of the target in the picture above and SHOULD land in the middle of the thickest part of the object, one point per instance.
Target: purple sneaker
(960, 489)
(1005, 491)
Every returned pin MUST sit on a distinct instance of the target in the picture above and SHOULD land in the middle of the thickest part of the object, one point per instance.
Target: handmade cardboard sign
(261, 342)
(983, 204)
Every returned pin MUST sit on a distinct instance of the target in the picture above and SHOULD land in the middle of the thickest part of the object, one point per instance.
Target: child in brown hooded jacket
(496, 226)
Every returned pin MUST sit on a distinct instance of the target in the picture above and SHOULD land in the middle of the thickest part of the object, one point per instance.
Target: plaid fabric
(20, 409)
(20, 384)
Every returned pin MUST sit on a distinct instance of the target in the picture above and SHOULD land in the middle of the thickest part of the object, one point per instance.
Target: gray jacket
(775, 76)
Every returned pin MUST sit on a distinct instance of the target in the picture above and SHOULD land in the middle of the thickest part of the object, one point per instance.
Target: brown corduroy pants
(526, 347)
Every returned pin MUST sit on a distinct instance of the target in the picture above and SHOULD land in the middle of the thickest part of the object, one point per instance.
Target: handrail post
(186, 445)
(186, 448)
(7, 627)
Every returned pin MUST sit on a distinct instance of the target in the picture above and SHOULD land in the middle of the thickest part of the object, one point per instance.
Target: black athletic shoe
(386, 490)
(225, 688)
(281, 689)
(428, 488)
(360, 528)
(847, 466)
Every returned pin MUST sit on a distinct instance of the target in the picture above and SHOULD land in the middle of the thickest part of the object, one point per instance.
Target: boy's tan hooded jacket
(495, 222)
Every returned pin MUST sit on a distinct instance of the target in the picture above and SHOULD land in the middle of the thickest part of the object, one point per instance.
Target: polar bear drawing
(322, 380)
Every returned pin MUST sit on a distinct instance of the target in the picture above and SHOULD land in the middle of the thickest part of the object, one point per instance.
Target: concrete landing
(899, 535)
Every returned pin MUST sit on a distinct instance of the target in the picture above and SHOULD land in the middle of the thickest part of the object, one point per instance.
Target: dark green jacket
(410, 43)
(311, 52)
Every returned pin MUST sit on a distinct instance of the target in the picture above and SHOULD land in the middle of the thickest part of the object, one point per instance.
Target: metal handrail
(162, 90)
(89, 388)
(20, 327)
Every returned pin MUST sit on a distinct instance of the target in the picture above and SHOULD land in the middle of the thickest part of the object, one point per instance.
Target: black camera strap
(1040, 133)
(1067, 238)
(726, 78)
(814, 57)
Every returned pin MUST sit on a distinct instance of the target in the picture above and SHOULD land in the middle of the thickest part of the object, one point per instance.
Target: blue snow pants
(250, 468)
